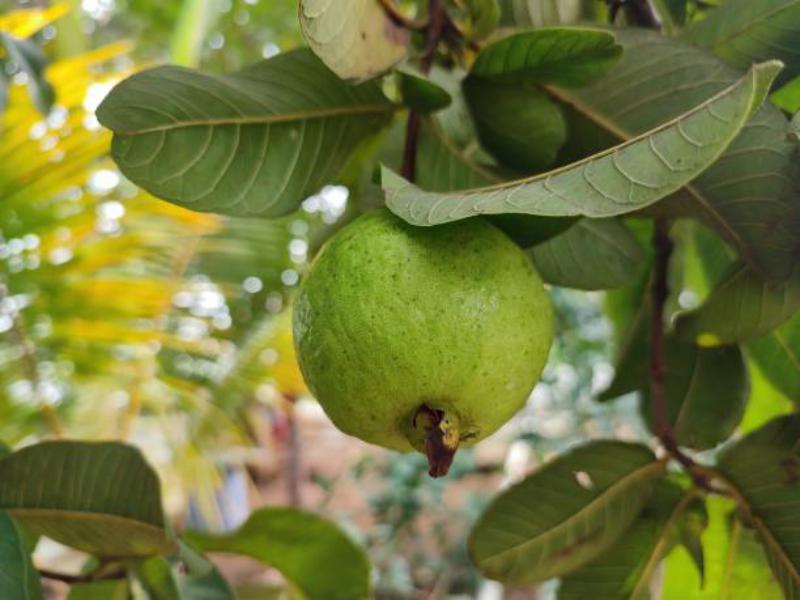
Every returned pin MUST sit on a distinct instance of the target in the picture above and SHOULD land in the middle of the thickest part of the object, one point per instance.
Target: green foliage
(672, 154)
(311, 552)
(27, 58)
(566, 514)
(102, 498)
(252, 143)
(778, 356)
(18, 577)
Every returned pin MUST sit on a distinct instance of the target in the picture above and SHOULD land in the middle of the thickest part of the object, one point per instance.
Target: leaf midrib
(623, 482)
(325, 113)
(563, 96)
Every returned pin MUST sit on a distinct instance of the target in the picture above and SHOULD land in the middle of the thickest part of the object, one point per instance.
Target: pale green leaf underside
(619, 180)
(256, 142)
(742, 306)
(593, 254)
(747, 31)
(778, 357)
(550, 524)
(311, 552)
(765, 468)
(102, 498)
(560, 55)
(624, 572)
(18, 577)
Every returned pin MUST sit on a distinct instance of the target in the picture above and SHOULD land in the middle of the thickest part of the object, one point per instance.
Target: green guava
(421, 338)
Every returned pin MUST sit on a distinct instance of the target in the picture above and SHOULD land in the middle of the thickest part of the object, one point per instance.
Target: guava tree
(494, 147)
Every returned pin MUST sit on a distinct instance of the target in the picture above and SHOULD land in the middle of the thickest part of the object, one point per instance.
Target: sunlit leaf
(778, 356)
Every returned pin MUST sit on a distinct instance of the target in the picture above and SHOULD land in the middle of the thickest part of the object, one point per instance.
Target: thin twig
(434, 30)
(84, 577)
(398, 18)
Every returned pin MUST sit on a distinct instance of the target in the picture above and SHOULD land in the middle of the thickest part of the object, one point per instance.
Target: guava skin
(393, 319)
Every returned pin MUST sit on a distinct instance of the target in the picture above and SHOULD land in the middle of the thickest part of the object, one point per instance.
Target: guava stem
(441, 439)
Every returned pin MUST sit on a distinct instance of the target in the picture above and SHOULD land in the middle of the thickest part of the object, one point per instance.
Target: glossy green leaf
(102, 498)
(568, 56)
(355, 39)
(257, 142)
(557, 520)
(764, 467)
(593, 254)
(735, 563)
(155, 575)
(707, 388)
(624, 571)
(747, 31)
(18, 577)
(748, 196)
(311, 552)
(741, 307)
(516, 123)
(622, 179)
(778, 357)
(420, 93)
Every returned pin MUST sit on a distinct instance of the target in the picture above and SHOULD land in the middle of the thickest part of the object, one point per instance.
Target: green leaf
(747, 31)
(557, 520)
(211, 586)
(255, 142)
(622, 179)
(516, 123)
(593, 254)
(568, 56)
(355, 39)
(778, 357)
(766, 402)
(30, 60)
(100, 590)
(311, 552)
(764, 467)
(707, 388)
(420, 93)
(748, 196)
(485, 15)
(741, 307)
(624, 571)
(18, 577)
(542, 13)
(735, 564)
(102, 498)
(155, 575)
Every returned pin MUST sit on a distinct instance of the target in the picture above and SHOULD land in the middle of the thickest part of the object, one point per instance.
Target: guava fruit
(421, 338)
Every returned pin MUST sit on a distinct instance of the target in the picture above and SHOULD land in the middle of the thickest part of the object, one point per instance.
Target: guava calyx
(441, 436)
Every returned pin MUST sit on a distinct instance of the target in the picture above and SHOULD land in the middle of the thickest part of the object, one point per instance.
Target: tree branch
(84, 577)
(638, 12)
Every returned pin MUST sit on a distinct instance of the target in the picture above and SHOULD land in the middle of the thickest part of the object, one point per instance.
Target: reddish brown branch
(84, 577)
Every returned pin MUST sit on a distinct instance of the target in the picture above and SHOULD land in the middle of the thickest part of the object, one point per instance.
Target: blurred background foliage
(125, 317)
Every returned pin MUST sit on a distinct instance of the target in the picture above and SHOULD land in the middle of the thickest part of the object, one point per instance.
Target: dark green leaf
(624, 571)
(100, 590)
(311, 552)
(211, 586)
(741, 307)
(566, 514)
(609, 183)
(31, 61)
(18, 577)
(735, 564)
(707, 388)
(5, 450)
(256, 142)
(102, 498)
(420, 93)
(558, 55)
(747, 31)
(528, 231)
(764, 467)
(748, 196)
(778, 357)
(593, 254)
(691, 526)
(516, 123)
